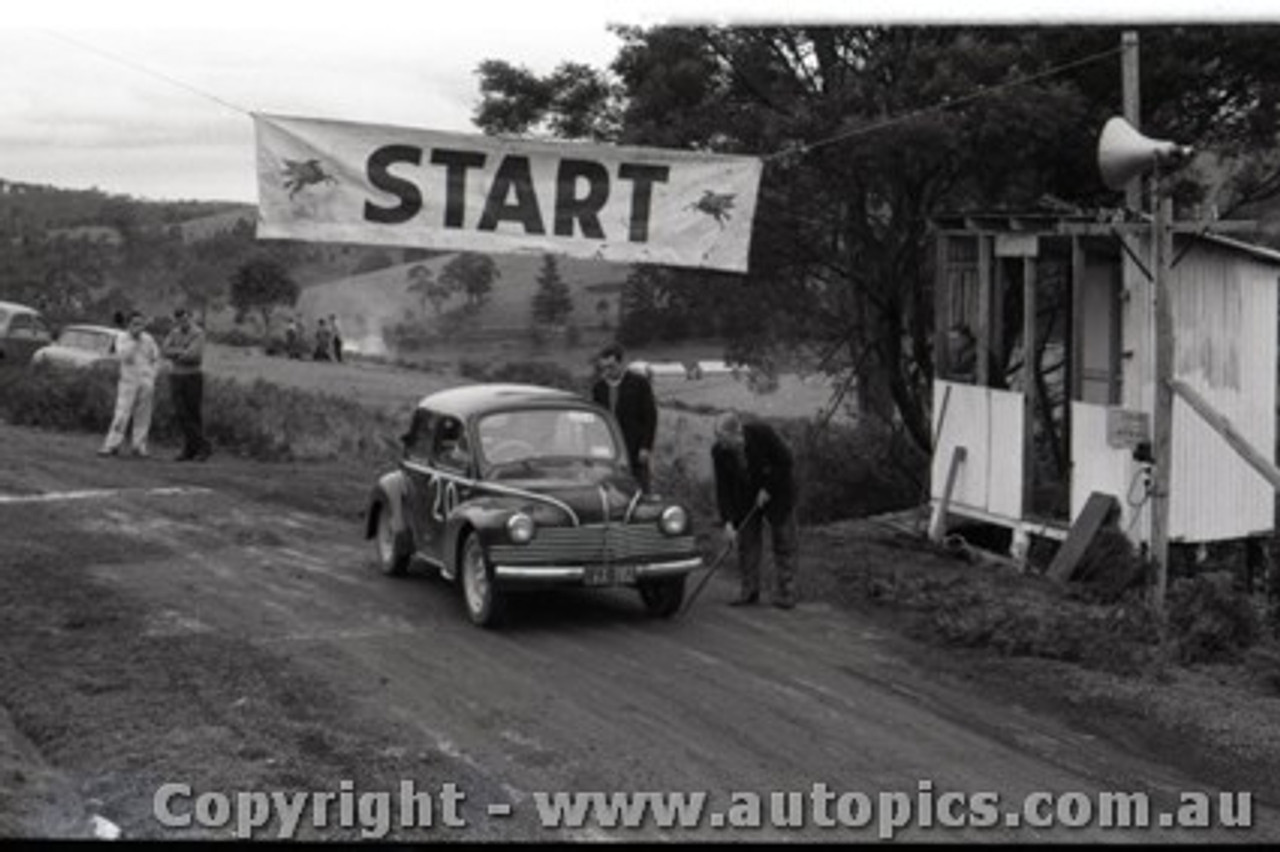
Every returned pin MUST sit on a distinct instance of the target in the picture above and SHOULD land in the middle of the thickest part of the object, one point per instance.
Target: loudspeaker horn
(1124, 153)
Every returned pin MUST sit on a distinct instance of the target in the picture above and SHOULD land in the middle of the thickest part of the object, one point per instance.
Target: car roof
(476, 399)
(100, 329)
(15, 308)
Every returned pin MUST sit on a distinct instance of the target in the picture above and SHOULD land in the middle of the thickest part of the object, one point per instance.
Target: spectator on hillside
(184, 347)
(139, 359)
(630, 397)
(324, 342)
(293, 339)
(337, 337)
(754, 483)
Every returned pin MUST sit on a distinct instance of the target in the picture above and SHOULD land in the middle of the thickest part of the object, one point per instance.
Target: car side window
(450, 448)
(22, 325)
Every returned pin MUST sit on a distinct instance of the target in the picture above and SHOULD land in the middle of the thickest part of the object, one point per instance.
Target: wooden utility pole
(1162, 416)
(1131, 92)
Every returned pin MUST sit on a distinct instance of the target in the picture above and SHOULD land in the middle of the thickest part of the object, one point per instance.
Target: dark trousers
(785, 538)
(643, 474)
(187, 390)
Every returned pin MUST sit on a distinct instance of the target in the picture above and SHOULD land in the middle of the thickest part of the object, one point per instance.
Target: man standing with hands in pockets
(754, 483)
(139, 359)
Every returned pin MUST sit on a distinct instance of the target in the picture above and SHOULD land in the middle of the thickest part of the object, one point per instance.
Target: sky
(151, 99)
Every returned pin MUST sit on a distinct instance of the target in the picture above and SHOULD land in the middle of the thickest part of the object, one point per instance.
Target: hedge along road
(231, 633)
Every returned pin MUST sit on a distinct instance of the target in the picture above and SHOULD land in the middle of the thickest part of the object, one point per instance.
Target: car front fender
(487, 518)
(387, 494)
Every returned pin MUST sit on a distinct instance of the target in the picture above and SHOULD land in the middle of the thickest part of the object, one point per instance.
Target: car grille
(594, 544)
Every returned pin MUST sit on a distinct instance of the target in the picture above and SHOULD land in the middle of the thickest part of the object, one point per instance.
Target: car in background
(22, 332)
(80, 347)
(504, 487)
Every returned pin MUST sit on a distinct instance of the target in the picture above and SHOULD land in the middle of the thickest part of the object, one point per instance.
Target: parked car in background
(80, 346)
(22, 332)
(510, 487)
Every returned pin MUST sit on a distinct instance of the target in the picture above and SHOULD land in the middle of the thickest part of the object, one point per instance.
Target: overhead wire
(942, 106)
(142, 69)
(804, 148)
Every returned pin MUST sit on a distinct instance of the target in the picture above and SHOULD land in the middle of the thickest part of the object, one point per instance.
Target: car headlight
(520, 528)
(674, 520)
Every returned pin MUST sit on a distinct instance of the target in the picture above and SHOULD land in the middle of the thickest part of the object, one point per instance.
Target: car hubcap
(475, 579)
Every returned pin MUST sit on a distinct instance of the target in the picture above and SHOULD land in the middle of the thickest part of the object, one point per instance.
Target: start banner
(336, 181)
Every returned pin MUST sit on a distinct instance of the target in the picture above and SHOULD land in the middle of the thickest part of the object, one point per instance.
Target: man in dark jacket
(753, 470)
(184, 347)
(630, 397)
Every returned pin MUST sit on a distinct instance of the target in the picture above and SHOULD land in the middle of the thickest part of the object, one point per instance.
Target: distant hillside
(35, 208)
(367, 303)
(207, 227)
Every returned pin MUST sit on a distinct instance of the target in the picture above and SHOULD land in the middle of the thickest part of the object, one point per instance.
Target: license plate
(609, 575)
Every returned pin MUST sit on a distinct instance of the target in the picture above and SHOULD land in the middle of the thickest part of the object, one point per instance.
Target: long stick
(715, 566)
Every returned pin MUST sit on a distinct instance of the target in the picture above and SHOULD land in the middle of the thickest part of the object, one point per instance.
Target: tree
(552, 302)
(428, 288)
(472, 274)
(262, 285)
(574, 102)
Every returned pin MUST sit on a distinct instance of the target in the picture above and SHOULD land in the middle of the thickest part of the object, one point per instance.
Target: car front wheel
(484, 601)
(662, 598)
(393, 554)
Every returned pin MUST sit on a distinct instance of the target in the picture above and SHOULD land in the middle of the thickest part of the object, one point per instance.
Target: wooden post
(1132, 104)
(1076, 323)
(938, 525)
(1162, 417)
(982, 360)
(941, 310)
(1028, 381)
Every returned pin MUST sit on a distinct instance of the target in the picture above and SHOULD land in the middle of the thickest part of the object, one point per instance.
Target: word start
(512, 196)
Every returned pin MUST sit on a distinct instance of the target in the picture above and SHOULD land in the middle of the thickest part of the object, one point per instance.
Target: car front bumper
(590, 575)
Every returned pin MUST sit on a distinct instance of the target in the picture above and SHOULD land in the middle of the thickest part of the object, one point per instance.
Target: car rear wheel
(662, 598)
(484, 601)
(392, 548)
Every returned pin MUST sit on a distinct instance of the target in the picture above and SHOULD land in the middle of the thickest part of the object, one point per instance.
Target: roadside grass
(258, 420)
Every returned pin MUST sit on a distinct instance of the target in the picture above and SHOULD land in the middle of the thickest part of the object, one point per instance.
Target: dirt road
(222, 626)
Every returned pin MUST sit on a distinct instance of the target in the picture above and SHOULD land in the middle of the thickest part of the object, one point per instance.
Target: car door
(452, 461)
(419, 478)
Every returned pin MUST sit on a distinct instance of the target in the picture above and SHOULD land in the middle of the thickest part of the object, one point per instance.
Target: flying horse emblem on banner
(714, 204)
(300, 174)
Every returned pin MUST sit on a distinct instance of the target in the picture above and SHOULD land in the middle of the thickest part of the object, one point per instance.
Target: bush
(983, 613)
(260, 420)
(1210, 620)
(848, 471)
(234, 337)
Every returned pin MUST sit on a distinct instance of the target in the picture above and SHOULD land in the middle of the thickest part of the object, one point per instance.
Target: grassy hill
(367, 303)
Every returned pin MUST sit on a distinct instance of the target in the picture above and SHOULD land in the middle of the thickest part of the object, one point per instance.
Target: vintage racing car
(509, 487)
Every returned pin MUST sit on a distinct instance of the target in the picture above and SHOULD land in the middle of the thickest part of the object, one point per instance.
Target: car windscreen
(548, 434)
(89, 341)
(28, 325)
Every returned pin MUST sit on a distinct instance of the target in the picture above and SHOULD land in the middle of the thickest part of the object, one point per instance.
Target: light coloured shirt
(139, 357)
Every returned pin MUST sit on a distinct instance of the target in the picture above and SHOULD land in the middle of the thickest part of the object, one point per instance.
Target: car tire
(662, 598)
(393, 548)
(485, 604)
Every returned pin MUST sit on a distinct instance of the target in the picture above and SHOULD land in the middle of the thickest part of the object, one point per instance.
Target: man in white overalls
(139, 358)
